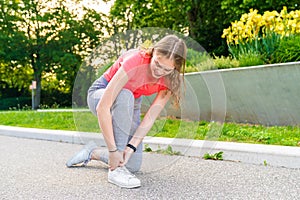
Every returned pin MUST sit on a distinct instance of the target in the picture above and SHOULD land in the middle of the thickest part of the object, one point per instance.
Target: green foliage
(256, 35)
(223, 62)
(38, 38)
(206, 19)
(269, 44)
(47, 37)
(263, 48)
(202, 20)
(231, 132)
(131, 14)
(288, 50)
(55, 98)
(198, 61)
(54, 120)
(216, 156)
(250, 59)
(147, 148)
(168, 151)
(235, 8)
(85, 77)
(15, 103)
(14, 80)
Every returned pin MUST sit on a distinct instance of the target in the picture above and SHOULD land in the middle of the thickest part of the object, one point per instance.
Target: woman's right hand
(115, 159)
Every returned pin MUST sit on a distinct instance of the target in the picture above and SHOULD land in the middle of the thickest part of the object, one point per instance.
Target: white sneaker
(83, 156)
(123, 178)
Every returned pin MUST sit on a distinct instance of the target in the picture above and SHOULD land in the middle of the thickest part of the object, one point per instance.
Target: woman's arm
(104, 115)
(156, 107)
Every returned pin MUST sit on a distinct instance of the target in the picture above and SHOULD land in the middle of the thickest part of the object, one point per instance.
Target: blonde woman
(115, 98)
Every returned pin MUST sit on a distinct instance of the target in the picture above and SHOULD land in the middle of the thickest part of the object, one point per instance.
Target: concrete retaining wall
(268, 95)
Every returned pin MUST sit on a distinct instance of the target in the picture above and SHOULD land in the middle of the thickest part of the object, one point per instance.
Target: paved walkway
(273, 155)
(35, 169)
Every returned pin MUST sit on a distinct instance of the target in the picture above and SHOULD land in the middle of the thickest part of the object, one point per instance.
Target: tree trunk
(37, 70)
(194, 20)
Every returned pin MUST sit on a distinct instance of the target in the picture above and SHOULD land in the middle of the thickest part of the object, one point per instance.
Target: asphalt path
(35, 169)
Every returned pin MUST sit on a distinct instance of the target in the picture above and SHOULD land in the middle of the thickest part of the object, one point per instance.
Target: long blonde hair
(174, 48)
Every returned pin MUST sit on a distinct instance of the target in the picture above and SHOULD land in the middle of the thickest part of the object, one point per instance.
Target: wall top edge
(244, 68)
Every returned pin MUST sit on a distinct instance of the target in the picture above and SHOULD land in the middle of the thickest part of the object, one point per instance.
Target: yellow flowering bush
(257, 37)
(254, 26)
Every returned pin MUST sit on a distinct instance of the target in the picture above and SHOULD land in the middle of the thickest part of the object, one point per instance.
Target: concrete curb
(273, 155)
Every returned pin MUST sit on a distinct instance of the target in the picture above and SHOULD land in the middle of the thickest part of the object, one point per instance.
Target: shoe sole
(69, 165)
(76, 165)
(125, 186)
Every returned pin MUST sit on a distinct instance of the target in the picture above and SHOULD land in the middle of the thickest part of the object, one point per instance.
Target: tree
(235, 8)
(132, 15)
(47, 36)
(11, 52)
(201, 20)
(206, 24)
(204, 21)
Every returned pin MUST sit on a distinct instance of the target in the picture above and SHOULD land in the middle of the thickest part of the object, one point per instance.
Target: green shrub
(198, 61)
(250, 59)
(194, 57)
(225, 62)
(288, 50)
(15, 103)
(206, 65)
(53, 98)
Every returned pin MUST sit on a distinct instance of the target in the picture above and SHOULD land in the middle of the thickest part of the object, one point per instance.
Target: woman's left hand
(126, 155)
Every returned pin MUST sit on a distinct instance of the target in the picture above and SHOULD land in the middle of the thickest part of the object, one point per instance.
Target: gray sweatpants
(125, 112)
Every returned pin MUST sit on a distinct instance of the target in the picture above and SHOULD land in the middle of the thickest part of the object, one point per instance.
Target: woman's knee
(125, 97)
(124, 104)
(93, 99)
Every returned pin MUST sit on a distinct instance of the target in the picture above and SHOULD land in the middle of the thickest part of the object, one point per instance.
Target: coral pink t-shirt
(136, 64)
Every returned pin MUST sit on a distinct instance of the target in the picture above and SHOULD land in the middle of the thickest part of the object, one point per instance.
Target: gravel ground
(35, 169)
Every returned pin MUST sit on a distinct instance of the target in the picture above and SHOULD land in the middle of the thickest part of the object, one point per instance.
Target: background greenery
(48, 40)
(163, 127)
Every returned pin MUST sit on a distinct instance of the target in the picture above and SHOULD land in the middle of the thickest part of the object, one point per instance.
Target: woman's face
(161, 66)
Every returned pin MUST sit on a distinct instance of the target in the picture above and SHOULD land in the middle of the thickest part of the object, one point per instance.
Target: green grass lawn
(164, 127)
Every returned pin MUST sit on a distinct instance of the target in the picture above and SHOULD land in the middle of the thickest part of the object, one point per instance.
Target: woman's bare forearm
(105, 123)
(103, 108)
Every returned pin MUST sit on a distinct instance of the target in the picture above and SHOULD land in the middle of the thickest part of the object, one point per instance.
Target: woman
(115, 98)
